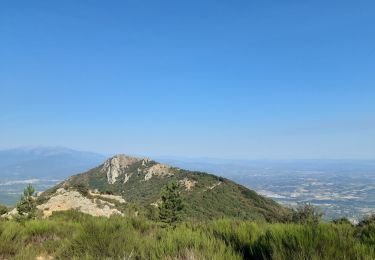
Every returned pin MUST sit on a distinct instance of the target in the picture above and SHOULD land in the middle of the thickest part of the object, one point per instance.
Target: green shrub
(367, 221)
(3, 209)
(366, 230)
(41, 200)
(307, 214)
(81, 188)
(74, 235)
(341, 221)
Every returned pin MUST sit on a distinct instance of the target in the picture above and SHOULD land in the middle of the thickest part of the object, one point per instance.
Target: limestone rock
(70, 199)
(145, 161)
(160, 170)
(11, 214)
(188, 184)
(116, 165)
(127, 177)
(213, 186)
(107, 196)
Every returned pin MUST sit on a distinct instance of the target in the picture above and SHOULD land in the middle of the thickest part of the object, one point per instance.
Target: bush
(366, 230)
(3, 209)
(307, 214)
(108, 192)
(367, 221)
(341, 221)
(82, 188)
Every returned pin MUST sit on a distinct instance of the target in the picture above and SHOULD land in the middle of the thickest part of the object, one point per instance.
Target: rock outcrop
(11, 214)
(213, 186)
(70, 199)
(188, 184)
(160, 170)
(107, 196)
(116, 165)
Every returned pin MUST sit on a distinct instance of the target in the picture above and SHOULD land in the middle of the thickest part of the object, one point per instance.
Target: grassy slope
(72, 235)
(226, 200)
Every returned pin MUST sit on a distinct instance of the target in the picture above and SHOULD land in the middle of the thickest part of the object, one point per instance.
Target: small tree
(307, 214)
(26, 207)
(171, 203)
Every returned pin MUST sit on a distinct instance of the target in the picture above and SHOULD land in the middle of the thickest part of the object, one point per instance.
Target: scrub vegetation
(73, 235)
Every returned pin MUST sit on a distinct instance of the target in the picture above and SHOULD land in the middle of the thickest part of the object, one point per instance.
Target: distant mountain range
(45, 162)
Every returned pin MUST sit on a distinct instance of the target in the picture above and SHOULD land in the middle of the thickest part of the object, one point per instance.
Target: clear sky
(229, 79)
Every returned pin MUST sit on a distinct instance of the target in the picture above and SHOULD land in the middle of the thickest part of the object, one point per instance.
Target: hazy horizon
(187, 158)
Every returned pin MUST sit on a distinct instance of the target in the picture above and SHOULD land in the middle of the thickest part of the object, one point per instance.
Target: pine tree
(26, 207)
(171, 205)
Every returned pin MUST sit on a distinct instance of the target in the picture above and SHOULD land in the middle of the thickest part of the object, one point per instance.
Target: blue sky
(228, 79)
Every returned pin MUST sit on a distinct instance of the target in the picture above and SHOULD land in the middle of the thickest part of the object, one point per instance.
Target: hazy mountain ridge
(43, 162)
(41, 166)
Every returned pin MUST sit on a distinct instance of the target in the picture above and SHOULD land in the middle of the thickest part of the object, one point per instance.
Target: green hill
(139, 182)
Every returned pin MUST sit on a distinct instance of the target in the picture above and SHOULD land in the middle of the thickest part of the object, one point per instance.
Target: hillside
(124, 184)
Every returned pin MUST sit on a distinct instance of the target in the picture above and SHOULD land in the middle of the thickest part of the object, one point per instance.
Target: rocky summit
(129, 185)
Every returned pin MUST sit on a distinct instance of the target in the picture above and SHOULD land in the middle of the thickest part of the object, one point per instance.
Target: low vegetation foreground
(74, 235)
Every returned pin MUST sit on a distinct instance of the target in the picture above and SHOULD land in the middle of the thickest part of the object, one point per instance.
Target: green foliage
(26, 207)
(341, 221)
(81, 188)
(171, 203)
(366, 230)
(41, 199)
(307, 214)
(367, 221)
(74, 235)
(152, 213)
(3, 209)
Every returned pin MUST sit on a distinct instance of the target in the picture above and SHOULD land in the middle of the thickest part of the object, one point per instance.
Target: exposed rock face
(213, 186)
(10, 214)
(127, 177)
(160, 170)
(116, 165)
(188, 184)
(156, 204)
(145, 161)
(69, 199)
(107, 196)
